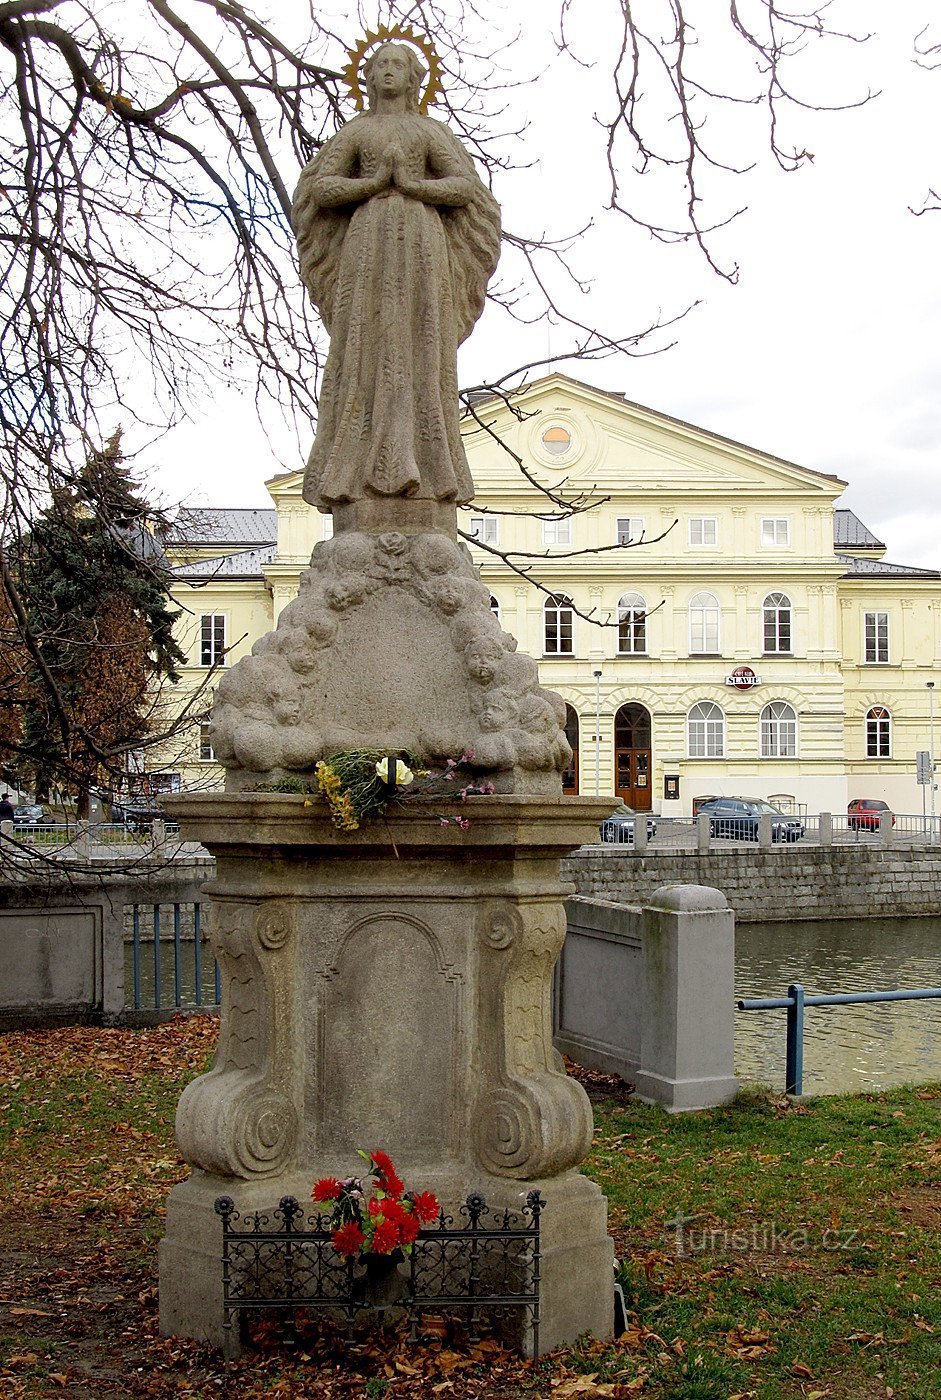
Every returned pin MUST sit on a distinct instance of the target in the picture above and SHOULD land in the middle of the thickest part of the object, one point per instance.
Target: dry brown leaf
(802, 1371)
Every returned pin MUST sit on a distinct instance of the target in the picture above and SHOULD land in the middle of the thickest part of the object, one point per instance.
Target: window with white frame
(704, 624)
(630, 529)
(632, 625)
(776, 530)
(703, 530)
(877, 636)
(206, 754)
(485, 528)
(705, 728)
(878, 733)
(778, 730)
(495, 607)
(326, 527)
(559, 626)
(776, 618)
(557, 531)
(212, 642)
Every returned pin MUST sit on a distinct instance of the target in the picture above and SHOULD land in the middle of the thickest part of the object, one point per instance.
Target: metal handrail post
(794, 1063)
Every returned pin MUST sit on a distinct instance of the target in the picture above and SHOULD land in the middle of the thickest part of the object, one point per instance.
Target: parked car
(699, 801)
(738, 819)
(137, 816)
(619, 827)
(30, 812)
(864, 813)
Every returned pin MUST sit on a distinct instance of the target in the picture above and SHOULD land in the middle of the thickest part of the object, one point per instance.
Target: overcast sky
(825, 353)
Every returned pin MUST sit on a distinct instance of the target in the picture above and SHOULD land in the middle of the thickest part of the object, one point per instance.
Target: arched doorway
(570, 776)
(632, 756)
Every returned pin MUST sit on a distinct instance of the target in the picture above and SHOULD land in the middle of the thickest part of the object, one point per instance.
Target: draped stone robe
(400, 282)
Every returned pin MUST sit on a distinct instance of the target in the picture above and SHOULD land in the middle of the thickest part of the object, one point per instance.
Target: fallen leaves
(748, 1345)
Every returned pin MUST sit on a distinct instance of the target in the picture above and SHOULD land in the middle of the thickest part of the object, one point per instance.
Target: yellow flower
(403, 774)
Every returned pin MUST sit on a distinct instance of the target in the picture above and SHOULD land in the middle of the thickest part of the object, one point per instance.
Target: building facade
(715, 622)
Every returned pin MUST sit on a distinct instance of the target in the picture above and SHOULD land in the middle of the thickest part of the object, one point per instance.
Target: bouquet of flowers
(374, 1214)
(362, 783)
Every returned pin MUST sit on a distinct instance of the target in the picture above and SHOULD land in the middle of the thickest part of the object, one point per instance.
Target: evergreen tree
(93, 581)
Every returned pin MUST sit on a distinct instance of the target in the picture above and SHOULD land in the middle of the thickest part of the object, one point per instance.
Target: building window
(495, 607)
(557, 440)
(877, 636)
(560, 625)
(706, 731)
(776, 531)
(206, 754)
(557, 531)
(704, 625)
(570, 772)
(212, 639)
(485, 528)
(778, 731)
(630, 529)
(776, 612)
(326, 527)
(632, 625)
(703, 530)
(878, 733)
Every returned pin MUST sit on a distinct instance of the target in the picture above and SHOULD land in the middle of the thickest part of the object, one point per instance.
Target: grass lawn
(770, 1249)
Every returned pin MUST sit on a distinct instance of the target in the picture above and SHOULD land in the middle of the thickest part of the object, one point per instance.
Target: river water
(846, 1048)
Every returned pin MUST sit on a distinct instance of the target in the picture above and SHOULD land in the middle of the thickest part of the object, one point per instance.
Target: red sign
(743, 678)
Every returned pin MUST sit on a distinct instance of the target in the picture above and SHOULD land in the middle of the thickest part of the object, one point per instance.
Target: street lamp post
(597, 675)
(929, 686)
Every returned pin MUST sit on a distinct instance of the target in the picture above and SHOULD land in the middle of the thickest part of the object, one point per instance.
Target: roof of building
(883, 567)
(247, 563)
(849, 530)
(214, 525)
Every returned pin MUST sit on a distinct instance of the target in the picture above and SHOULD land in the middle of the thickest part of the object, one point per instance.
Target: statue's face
(390, 71)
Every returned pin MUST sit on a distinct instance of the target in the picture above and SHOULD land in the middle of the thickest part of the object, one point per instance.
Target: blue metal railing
(168, 955)
(794, 1004)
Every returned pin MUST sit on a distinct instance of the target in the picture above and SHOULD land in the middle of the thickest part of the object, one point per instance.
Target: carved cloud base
(402, 1003)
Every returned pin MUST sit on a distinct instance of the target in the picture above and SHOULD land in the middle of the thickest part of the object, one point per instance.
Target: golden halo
(384, 35)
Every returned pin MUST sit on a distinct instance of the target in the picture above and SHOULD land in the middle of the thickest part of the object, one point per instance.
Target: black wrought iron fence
(284, 1259)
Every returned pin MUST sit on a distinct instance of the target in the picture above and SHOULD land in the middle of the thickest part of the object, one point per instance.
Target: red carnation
(408, 1228)
(376, 1207)
(385, 1237)
(394, 1211)
(349, 1239)
(387, 1175)
(327, 1189)
(426, 1207)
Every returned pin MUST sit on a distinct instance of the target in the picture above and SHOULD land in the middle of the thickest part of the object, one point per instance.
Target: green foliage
(93, 583)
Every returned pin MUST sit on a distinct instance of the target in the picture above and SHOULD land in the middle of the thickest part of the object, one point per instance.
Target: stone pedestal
(388, 988)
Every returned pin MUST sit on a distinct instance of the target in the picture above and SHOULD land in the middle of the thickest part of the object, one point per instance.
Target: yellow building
(714, 622)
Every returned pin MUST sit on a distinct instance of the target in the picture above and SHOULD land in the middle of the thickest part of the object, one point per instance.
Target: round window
(557, 440)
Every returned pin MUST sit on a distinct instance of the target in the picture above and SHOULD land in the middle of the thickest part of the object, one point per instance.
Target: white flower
(403, 774)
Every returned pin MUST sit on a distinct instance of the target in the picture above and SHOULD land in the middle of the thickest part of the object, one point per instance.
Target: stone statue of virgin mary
(398, 239)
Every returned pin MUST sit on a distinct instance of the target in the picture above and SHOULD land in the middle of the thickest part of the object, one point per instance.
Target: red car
(863, 813)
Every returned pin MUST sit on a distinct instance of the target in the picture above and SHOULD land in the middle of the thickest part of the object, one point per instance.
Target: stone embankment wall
(789, 883)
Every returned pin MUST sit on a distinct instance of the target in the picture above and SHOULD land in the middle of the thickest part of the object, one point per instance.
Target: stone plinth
(688, 1033)
(388, 988)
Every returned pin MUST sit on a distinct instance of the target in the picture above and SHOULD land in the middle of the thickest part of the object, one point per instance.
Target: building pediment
(568, 431)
